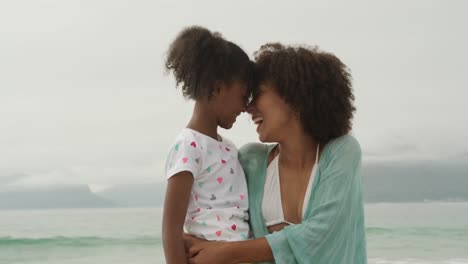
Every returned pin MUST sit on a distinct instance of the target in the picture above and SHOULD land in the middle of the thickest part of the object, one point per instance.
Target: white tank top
(272, 206)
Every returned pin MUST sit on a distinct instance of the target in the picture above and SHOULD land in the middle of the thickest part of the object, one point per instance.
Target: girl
(206, 191)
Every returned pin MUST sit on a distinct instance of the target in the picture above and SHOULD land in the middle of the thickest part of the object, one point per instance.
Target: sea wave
(419, 231)
(85, 241)
(416, 261)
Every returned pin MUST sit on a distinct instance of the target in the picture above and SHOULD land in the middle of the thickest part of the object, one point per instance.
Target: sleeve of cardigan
(322, 236)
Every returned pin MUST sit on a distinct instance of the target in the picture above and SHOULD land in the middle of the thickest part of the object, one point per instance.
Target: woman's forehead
(266, 85)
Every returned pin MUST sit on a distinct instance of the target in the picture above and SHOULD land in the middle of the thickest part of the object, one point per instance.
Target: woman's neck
(204, 120)
(298, 150)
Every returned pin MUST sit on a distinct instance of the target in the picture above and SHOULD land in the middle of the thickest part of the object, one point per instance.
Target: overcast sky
(84, 97)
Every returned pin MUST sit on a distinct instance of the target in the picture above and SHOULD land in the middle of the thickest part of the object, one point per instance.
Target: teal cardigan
(333, 230)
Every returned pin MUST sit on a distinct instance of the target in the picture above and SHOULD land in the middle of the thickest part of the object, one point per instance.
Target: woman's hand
(214, 252)
(201, 251)
(190, 241)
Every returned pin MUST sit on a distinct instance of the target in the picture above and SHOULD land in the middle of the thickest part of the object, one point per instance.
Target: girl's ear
(218, 86)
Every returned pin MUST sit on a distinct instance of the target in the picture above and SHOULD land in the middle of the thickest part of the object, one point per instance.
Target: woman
(305, 191)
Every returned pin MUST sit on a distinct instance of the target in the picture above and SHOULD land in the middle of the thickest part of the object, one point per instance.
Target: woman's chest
(293, 195)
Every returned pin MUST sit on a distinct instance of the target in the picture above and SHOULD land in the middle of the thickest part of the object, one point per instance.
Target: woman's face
(271, 114)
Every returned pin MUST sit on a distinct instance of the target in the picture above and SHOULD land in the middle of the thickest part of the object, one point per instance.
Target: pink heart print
(196, 197)
(228, 149)
(193, 144)
(242, 197)
(223, 161)
(184, 160)
(218, 233)
(234, 227)
(219, 179)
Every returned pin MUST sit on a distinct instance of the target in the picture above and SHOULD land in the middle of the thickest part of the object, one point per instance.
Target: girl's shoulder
(226, 142)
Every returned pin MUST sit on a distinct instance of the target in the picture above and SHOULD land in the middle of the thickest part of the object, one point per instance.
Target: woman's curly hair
(315, 84)
(198, 58)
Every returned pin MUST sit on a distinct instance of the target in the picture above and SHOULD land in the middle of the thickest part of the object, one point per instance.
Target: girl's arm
(176, 203)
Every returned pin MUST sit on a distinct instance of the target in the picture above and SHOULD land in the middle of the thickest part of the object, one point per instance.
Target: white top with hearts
(218, 206)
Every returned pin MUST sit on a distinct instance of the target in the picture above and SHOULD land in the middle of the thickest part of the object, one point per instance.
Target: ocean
(396, 233)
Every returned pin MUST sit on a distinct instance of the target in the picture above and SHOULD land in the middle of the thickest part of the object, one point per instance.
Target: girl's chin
(228, 125)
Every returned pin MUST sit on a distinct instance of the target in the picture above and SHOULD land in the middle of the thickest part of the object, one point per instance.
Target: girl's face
(231, 101)
(271, 114)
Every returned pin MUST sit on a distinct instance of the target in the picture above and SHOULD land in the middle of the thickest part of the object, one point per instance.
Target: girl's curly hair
(198, 58)
(315, 84)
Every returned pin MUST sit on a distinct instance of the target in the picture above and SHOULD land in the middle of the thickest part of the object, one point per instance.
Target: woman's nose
(250, 107)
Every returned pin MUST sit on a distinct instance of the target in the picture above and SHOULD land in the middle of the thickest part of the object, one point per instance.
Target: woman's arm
(202, 252)
(176, 203)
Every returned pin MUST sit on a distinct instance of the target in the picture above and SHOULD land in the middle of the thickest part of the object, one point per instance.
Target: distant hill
(415, 181)
(73, 196)
(398, 181)
(383, 182)
(128, 195)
